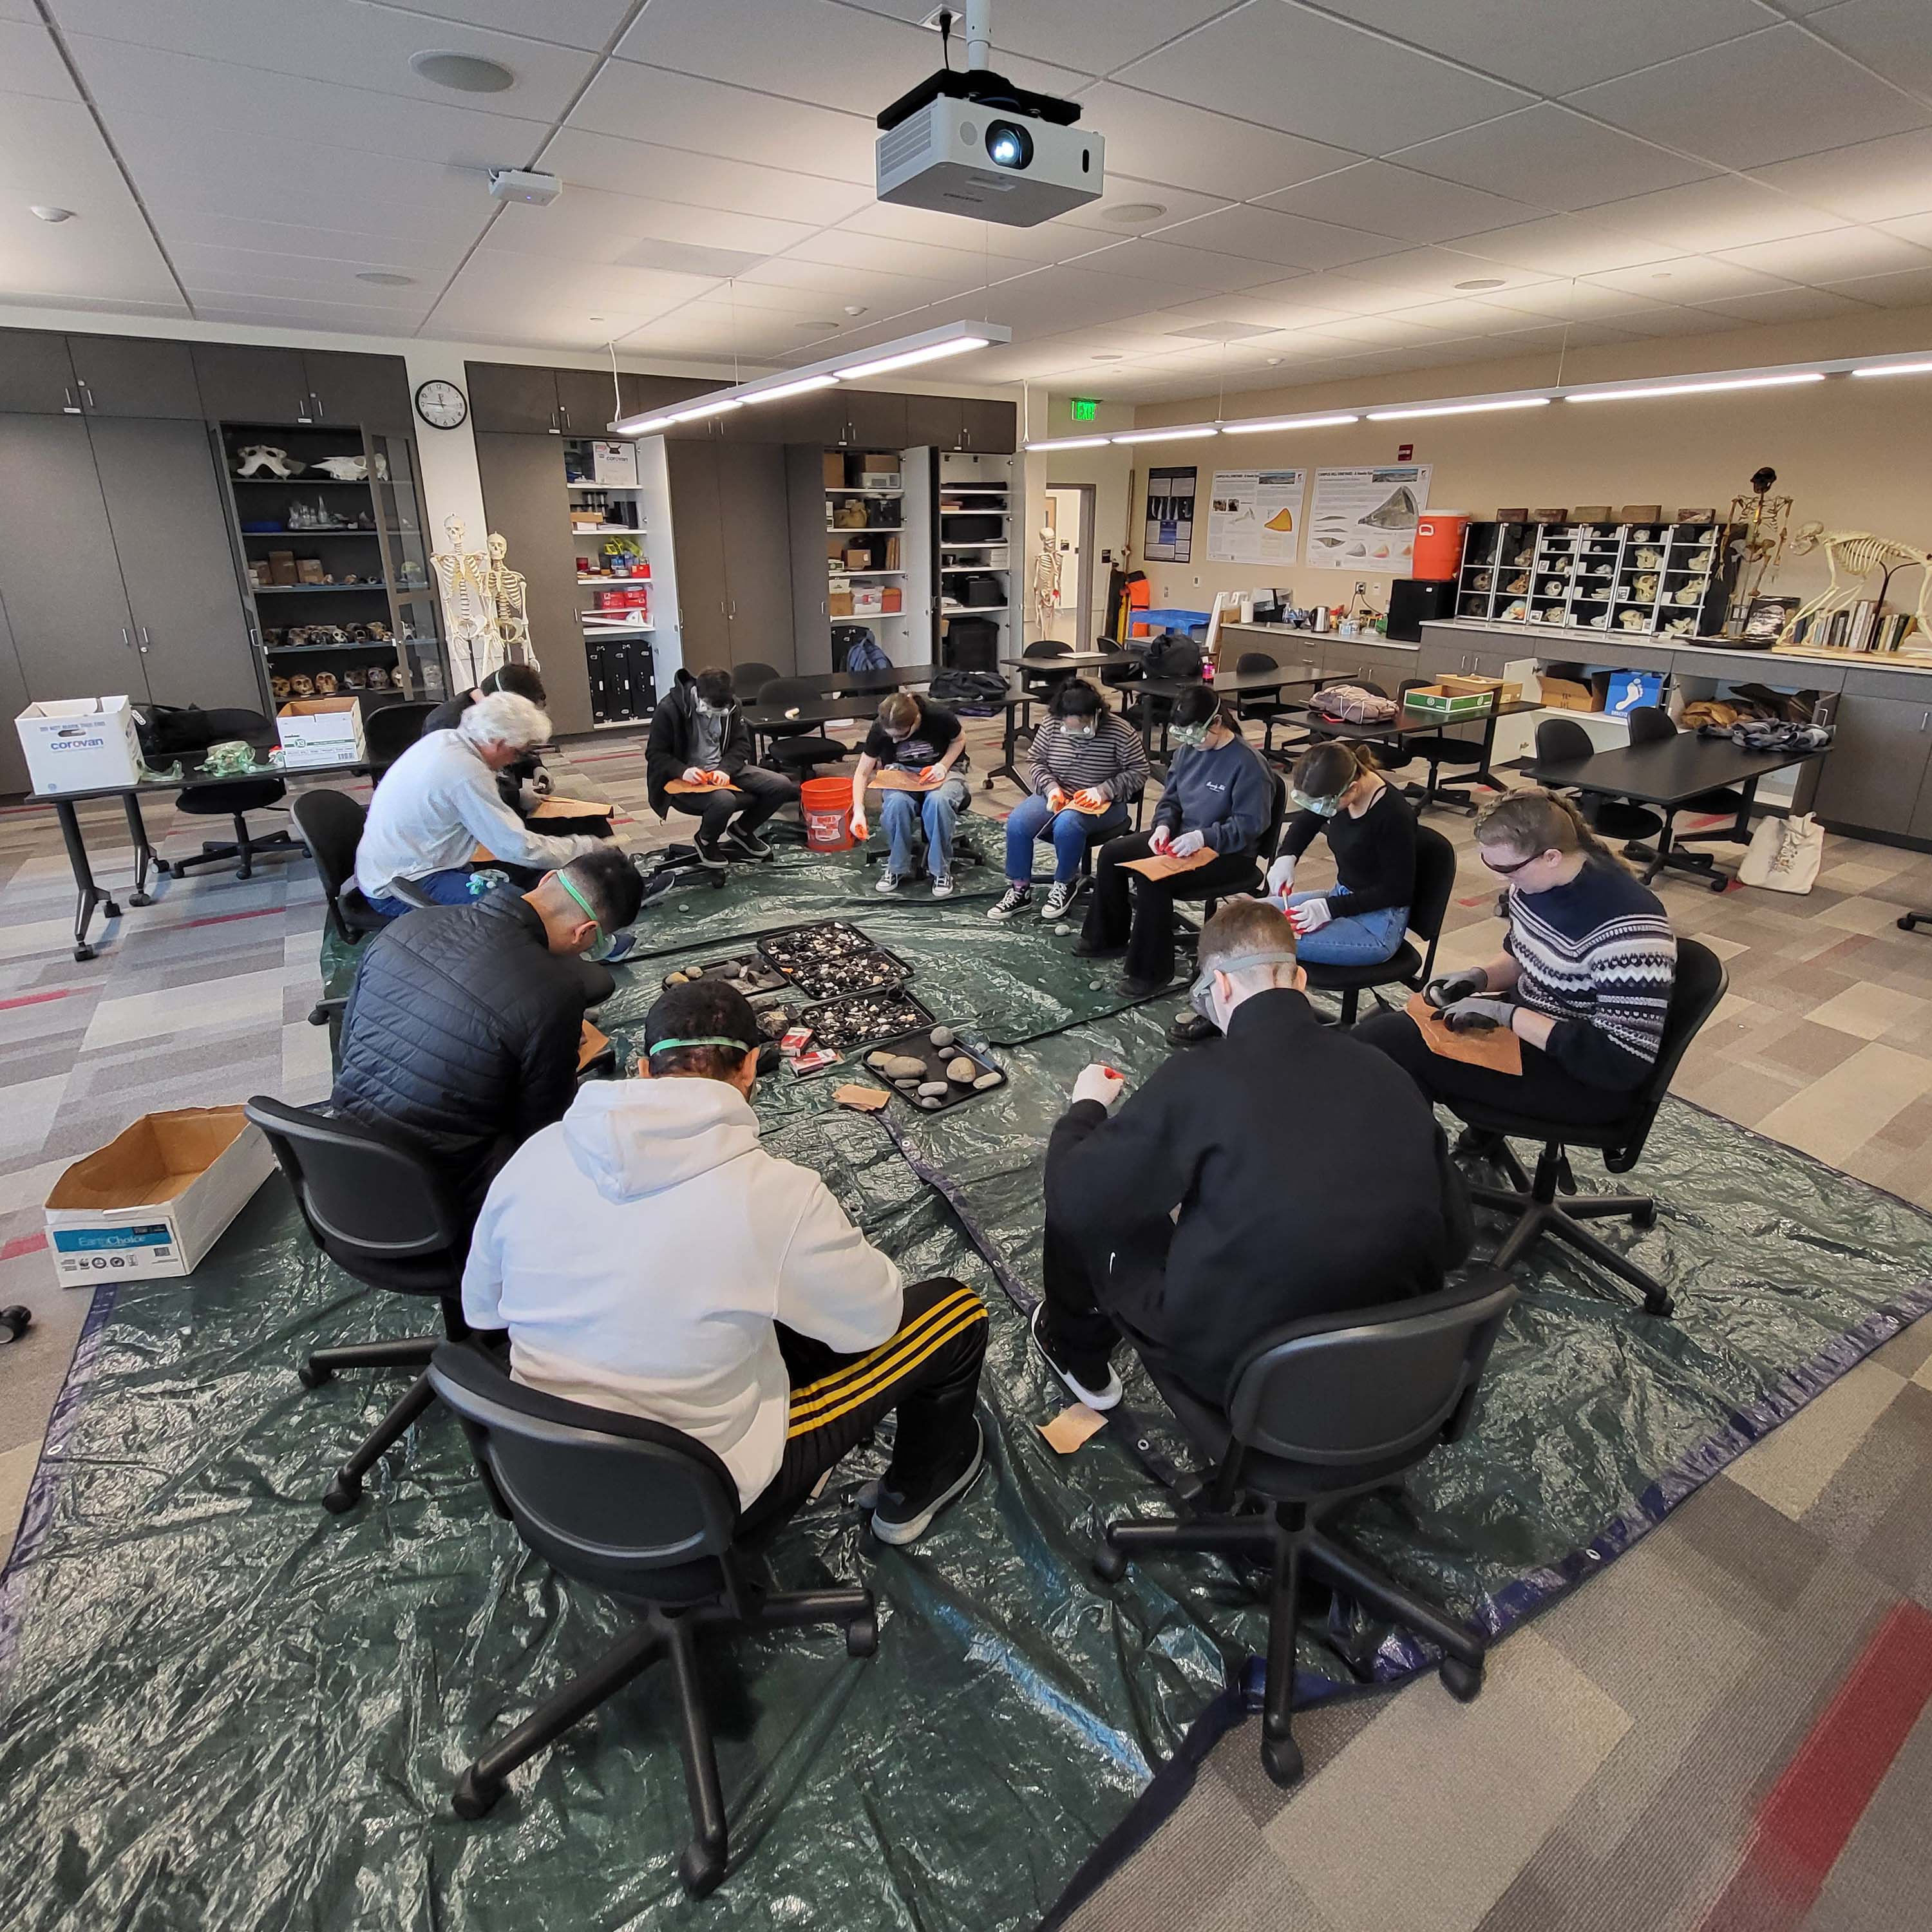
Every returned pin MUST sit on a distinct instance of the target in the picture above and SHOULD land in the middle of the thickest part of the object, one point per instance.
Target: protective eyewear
(1201, 994)
(1322, 807)
(1506, 872)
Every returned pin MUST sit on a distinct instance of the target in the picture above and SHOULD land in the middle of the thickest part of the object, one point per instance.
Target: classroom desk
(897, 677)
(90, 894)
(1226, 684)
(1073, 662)
(1670, 772)
(1408, 724)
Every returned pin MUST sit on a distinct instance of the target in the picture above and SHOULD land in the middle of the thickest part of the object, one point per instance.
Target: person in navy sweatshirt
(1218, 798)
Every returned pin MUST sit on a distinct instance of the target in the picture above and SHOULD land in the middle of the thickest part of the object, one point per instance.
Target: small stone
(907, 1086)
(986, 1080)
(693, 972)
(962, 1070)
(932, 1089)
(881, 1060)
(675, 979)
(941, 1037)
(931, 1105)
(904, 1067)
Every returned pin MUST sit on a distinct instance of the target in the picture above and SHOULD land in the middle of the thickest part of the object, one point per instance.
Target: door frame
(1083, 602)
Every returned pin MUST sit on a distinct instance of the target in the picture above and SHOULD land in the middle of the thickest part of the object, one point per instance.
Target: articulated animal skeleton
(1853, 556)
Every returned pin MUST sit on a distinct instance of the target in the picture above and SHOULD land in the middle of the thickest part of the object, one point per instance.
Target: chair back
(748, 680)
(624, 1504)
(388, 730)
(1558, 740)
(1256, 660)
(1371, 1390)
(1046, 647)
(1650, 722)
(1695, 995)
(331, 824)
(1277, 808)
(376, 1209)
(1434, 884)
(789, 690)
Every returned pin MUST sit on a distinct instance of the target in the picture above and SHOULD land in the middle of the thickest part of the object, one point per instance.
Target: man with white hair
(1273, 1173)
(439, 801)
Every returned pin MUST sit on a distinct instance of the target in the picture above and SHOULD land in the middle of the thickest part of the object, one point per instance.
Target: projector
(974, 144)
(522, 184)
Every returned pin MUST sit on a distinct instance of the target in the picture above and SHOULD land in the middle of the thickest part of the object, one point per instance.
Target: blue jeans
(1071, 833)
(456, 886)
(1359, 940)
(901, 810)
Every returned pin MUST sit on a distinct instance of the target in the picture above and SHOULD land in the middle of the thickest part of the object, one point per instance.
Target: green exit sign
(1085, 409)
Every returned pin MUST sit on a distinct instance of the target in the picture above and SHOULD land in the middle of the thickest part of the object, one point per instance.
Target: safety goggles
(1506, 872)
(1322, 807)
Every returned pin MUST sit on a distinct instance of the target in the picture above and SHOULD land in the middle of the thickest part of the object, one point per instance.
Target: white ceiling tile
(953, 268)
(1565, 161)
(588, 224)
(1717, 104)
(1048, 242)
(883, 294)
(358, 45)
(706, 181)
(708, 117)
(1556, 46)
(1288, 240)
(205, 265)
(1562, 244)
(1727, 211)
(30, 63)
(1669, 320)
(19, 9)
(1460, 315)
(1889, 35)
(1911, 289)
(1867, 182)
(415, 254)
(1913, 228)
(1835, 257)
(1272, 307)
(1276, 63)
(331, 317)
(1067, 33)
(1577, 301)
(1387, 199)
(1124, 191)
(1690, 278)
(570, 23)
(1435, 272)
(1160, 140)
(1372, 331)
(1166, 261)
(1786, 305)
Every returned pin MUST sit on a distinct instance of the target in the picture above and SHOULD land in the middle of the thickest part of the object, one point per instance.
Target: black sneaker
(709, 856)
(741, 840)
(1189, 1028)
(1094, 948)
(1098, 1395)
(1059, 900)
(1016, 898)
(900, 1517)
(1142, 989)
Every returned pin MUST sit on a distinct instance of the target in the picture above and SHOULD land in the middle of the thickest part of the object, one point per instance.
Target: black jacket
(1308, 1181)
(460, 1035)
(673, 745)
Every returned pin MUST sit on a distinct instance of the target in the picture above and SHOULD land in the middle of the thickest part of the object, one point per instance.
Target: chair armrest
(410, 894)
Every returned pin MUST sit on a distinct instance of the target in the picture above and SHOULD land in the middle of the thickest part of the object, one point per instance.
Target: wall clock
(442, 405)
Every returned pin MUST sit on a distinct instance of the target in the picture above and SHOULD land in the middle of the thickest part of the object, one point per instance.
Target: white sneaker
(888, 882)
(943, 887)
(1058, 900)
(1016, 899)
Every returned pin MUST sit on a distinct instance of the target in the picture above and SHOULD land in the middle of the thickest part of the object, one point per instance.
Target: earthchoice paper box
(320, 731)
(157, 1197)
(79, 744)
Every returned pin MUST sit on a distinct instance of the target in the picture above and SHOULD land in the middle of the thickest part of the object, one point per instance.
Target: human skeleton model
(485, 607)
(507, 589)
(1853, 556)
(1046, 569)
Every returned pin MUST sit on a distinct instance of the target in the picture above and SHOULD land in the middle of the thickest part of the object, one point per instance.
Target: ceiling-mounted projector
(974, 144)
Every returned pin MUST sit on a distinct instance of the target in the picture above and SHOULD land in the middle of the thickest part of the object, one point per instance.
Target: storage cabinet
(509, 398)
(247, 383)
(36, 373)
(992, 429)
(587, 400)
(732, 547)
(347, 391)
(1874, 775)
(962, 423)
(135, 376)
(13, 699)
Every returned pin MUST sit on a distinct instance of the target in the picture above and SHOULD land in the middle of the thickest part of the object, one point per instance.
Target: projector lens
(1008, 146)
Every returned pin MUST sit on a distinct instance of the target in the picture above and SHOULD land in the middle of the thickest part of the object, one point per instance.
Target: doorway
(1065, 609)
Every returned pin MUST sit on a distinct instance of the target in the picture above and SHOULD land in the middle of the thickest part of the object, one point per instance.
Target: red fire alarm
(1405, 452)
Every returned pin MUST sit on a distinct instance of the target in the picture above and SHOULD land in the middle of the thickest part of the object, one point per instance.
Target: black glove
(1453, 986)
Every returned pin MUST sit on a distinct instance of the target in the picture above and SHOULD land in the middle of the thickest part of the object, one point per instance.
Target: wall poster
(1169, 535)
(1254, 516)
(1364, 520)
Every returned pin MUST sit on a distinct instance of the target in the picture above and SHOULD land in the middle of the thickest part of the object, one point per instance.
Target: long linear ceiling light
(1694, 389)
(1173, 433)
(1894, 369)
(953, 338)
(1407, 413)
(1254, 428)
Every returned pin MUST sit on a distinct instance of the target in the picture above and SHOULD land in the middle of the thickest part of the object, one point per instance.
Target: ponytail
(1534, 820)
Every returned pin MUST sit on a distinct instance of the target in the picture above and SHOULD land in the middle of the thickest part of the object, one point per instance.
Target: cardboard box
(157, 1197)
(635, 598)
(1565, 694)
(1628, 689)
(839, 603)
(1460, 685)
(79, 744)
(282, 566)
(1433, 701)
(875, 462)
(308, 570)
(894, 597)
(1641, 513)
(613, 462)
(320, 731)
(835, 469)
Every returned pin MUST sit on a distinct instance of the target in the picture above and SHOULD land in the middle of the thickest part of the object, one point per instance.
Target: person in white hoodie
(646, 1255)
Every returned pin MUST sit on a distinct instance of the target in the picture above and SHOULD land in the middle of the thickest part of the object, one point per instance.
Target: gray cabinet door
(135, 376)
(936, 422)
(875, 420)
(510, 398)
(585, 401)
(13, 699)
(638, 395)
(992, 428)
(758, 559)
(527, 504)
(350, 390)
(170, 527)
(36, 377)
(1875, 771)
(697, 543)
(71, 625)
(246, 383)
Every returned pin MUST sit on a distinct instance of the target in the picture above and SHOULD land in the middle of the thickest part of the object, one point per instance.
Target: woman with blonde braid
(1583, 980)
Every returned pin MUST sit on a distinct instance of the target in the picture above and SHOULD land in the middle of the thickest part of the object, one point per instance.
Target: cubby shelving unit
(1630, 580)
(973, 516)
(617, 648)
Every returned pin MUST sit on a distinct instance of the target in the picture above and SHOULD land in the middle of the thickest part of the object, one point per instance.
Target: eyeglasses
(1506, 872)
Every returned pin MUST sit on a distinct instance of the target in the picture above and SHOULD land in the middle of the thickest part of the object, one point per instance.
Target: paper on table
(1498, 1048)
(590, 1043)
(861, 1098)
(1165, 865)
(1071, 1427)
(575, 807)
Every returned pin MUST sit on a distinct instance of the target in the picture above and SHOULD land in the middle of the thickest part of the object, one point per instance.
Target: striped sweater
(1113, 762)
(1598, 956)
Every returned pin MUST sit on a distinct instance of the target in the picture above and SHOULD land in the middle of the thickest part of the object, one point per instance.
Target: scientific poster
(1169, 536)
(1364, 520)
(1254, 516)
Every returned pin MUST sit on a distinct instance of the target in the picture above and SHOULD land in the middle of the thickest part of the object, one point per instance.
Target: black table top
(898, 677)
(1072, 660)
(1668, 771)
(1233, 683)
(191, 774)
(824, 710)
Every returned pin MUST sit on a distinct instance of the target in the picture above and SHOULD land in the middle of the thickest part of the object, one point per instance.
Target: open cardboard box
(157, 1197)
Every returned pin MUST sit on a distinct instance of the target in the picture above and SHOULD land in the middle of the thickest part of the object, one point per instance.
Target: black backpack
(1173, 655)
(978, 693)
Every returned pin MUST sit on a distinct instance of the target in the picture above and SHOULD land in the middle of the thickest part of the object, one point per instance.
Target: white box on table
(79, 744)
(320, 731)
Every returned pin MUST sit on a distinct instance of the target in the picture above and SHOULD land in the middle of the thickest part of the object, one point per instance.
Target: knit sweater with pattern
(1598, 956)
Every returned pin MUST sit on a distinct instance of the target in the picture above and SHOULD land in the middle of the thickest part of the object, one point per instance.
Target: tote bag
(1785, 854)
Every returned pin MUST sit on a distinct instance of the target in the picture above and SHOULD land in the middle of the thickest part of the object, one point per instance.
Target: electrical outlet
(1197, 582)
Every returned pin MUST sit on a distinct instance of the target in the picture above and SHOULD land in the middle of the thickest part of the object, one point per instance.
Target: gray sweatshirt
(1223, 793)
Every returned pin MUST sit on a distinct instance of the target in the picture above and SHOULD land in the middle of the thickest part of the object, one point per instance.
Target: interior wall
(1049, 414)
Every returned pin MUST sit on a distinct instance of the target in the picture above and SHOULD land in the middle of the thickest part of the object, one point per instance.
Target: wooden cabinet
(992, 429)
(935, 422)
(731, 545)
(587, 401)
(247, 383)
(513, 398)
(639, 394)
(36, 374)
(874, 420)
(349, 390)
(1874, 776)
(697, 545)
(135, 376)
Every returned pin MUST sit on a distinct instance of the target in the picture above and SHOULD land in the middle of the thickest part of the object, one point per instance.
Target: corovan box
(156, 1198)
(320, 731)
(613, 462)
(79, 744)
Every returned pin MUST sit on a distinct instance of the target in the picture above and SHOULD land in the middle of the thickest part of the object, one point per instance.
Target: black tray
(763, 976)
(864, 967)
(918, 1045)
(835, 1024)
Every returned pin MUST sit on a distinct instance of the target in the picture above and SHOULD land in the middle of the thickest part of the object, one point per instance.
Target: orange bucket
(827, 806)
(1438, 544)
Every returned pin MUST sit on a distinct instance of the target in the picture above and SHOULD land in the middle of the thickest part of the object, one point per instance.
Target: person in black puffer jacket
(460, 1038)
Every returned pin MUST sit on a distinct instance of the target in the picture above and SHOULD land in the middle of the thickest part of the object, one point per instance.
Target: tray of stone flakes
(930, 1068)
(744, 972)
(831, 957)
(857, 1019)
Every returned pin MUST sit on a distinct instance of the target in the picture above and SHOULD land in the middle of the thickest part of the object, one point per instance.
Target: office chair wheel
(312, 1374)
(1461, 1680)
(1281, 1759)
(861, 1636)
(14, 1322)
(318, 1016)
(1660, 1305)
(139, 899)
(1110, 1565)
(718, 886)
(475, 1797)
(343, 1494)
(700, 1870)
(1645, 1216)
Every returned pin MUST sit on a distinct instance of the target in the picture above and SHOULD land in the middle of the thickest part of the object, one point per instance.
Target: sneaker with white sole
(899, 1518)
(1016, 899)
(1058, 900)
(888, 882)
(1106, 1396)
(709, 856)
(943, 887)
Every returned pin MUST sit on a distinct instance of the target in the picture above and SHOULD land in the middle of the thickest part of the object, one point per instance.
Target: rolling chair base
(239, 851)
(345, 1489)
(1295, 1548)
(673, 1634)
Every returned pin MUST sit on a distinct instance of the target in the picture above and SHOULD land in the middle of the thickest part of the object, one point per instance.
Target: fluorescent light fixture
(1174, 435)
(699, 411)
(1458, 409)
(1871, 369)
(803, 386)
(1284, 422)
(953, 340)
(1073, 443)
(1694, 389)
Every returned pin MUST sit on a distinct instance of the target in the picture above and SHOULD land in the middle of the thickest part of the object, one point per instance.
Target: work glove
(1159, 838)
(1186, 845)
(1102, 1084)
(1281, 878)
(930, 775)
(1056, 799)
(1311, 915)
(1451, 987)
(1089, 800)
(540, 782)
(1478, 1014)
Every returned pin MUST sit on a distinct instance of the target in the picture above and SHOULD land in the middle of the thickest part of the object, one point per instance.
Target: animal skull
(259, 456)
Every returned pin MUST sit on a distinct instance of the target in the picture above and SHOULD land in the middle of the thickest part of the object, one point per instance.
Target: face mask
(1077, 730)
(1322, 807)
(1189, 737)
(1201, 994)
(712, 710)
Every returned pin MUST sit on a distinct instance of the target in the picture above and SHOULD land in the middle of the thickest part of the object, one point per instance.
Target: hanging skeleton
(508, 590)
(1853, 556)
(1043, 593)
(485, 608)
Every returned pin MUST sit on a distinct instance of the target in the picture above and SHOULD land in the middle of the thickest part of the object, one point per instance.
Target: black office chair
(1269, 711)
(1649, 724)
(1045, 683)
(385, 1216)
(234, 801)
(1435, 881)
(1270, 839)
(331, 824)
(747, 680)
(1320, 1411)
(1125, 670)
(650, 1517)
(388, 730)
(1558, 740)
(798, 750)
(1699, 984)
